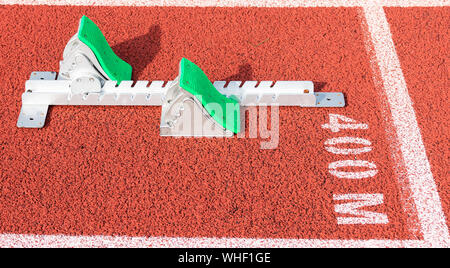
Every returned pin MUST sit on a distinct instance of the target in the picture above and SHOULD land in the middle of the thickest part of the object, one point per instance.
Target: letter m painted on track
(353, 208)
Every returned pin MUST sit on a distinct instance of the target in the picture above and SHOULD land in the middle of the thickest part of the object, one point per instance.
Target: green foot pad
(117, 69)
(195, 81)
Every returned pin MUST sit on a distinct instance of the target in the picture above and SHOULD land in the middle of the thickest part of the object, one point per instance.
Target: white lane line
(30, 241)
(233, 3)
(420, 179)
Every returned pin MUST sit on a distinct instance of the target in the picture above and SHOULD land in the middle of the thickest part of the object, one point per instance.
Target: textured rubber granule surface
(422, 40)
(106, 170)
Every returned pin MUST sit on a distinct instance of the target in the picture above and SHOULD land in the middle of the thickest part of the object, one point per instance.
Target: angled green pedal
(113, 66)
(193, 107)
(195, 81)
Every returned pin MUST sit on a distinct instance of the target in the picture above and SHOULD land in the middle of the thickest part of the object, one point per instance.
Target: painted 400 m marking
(354, 202)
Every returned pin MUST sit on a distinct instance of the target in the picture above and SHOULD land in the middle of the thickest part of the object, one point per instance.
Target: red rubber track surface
(106, 170)
(422, 40)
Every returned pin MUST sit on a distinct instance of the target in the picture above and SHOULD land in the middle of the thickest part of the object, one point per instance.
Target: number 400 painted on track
(336, 124)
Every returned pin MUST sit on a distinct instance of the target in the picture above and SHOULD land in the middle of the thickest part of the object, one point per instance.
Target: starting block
(192, 106)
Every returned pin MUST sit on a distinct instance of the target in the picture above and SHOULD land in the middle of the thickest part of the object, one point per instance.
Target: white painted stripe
(420, 179)
(33, 241)
(233, 3)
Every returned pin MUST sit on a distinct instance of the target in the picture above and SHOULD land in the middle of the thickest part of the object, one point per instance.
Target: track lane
(86, 173)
